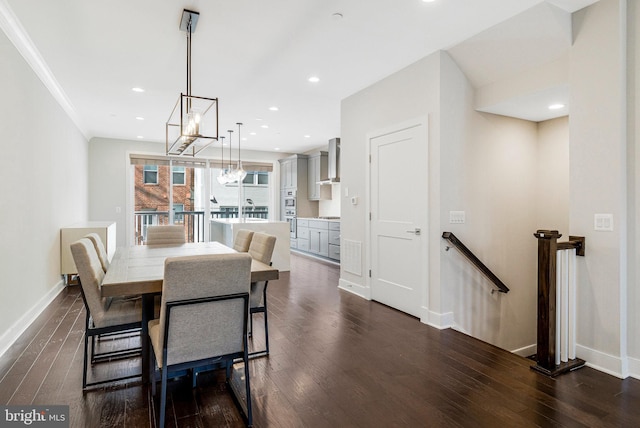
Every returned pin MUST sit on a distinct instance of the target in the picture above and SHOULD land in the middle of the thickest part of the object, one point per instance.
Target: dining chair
(242, 240)
(104, 261)
(165, 235)
(100, 249)
(103, 315)
(203, 320)
(261, 249)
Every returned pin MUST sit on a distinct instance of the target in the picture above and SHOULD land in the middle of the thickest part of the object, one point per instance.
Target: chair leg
(248, 389)
(266, 330)
(84, 363)
(152, 370)
(163, 397)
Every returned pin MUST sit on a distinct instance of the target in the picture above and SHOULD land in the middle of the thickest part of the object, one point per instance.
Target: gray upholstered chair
(165, 235)
(242, 240)
(261, 249)
(100, 249)
(103, 315)
(203, 318)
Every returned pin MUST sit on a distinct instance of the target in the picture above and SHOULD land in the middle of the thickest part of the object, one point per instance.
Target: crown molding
(16, 33)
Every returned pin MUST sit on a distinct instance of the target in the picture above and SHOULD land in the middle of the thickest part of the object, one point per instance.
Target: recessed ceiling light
(140, 136)
(337, 16)
(264, 126)
(277, 148)
(307, 136)
(136, 89)
(314, 79)
(252, 133)
(428, 1)
(556, 106)
(274, 108)
(139, 118)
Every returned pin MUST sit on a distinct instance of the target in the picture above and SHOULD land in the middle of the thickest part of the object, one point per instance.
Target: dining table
(139, 271)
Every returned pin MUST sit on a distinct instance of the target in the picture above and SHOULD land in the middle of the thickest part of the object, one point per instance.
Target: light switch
(603, 222)
(456, 217)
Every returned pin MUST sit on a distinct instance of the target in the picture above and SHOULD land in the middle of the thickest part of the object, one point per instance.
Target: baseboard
(526, 351)
(352, 287)
(634, 367)
(13, 333)
(436, 320)
(610, 364)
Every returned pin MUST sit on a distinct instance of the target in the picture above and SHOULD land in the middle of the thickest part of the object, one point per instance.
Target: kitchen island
(225, 229)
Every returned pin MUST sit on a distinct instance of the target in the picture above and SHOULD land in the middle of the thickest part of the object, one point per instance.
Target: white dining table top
(140, 269)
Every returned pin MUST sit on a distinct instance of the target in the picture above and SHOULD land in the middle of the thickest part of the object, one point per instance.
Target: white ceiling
(251, 54)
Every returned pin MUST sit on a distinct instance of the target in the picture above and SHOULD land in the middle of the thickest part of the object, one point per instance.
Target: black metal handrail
(458, 245)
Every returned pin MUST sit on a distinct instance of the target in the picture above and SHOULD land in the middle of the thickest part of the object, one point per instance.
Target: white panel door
(399, 203)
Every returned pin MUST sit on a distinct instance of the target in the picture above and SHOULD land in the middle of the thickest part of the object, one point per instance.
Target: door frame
(423, 123)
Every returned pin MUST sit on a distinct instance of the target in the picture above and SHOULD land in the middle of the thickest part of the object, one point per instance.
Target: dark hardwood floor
(336, 361)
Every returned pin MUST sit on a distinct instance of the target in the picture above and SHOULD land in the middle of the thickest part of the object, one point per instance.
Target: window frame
(150, 168)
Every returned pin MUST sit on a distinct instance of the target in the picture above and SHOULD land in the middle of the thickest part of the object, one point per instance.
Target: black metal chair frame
(91, 331)
(163, 374)
(257, 310)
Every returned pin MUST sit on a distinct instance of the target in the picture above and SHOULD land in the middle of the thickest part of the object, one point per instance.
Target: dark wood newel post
(547, 247)
(547, 311)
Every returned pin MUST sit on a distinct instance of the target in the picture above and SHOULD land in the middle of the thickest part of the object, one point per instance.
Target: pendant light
(230, 172)
(193, 123)
(222, 179)
(239, 172)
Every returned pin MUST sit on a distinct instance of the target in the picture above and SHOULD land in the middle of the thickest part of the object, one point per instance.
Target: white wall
(483, 164)
(552, 192)
(410, 93)
(44, 187)
(633, 306)
(598, 181)
(109, 168)
(489, 170)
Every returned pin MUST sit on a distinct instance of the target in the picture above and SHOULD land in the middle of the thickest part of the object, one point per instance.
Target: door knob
(416, 231)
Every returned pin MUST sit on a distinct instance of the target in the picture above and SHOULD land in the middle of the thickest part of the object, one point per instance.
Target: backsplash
(330, 207)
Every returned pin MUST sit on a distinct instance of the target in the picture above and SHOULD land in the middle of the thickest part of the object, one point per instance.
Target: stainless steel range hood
(334, 162)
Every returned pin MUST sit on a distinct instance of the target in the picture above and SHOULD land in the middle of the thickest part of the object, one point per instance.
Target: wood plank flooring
(336, 361)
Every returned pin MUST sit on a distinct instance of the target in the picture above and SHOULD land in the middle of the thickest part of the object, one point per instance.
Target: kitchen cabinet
(293, 172)
(302, 242)
(334, 240)
(319, 237)
(106, 230)
(318, 170)
(288, 170)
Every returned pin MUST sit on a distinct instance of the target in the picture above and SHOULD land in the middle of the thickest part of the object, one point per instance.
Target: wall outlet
(456, 217)
(603, 222)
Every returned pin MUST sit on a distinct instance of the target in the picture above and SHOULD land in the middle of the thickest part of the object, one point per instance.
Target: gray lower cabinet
(334, 240)
(319, 237)
(303, 235)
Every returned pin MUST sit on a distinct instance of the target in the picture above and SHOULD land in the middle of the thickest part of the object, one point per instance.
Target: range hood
(333, 169)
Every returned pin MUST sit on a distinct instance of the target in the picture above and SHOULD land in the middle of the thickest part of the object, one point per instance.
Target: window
(255, 178)
(178, 175)
(150, 174)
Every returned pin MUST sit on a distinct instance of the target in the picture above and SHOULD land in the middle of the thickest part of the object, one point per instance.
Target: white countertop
(337, 219)
(243, 220)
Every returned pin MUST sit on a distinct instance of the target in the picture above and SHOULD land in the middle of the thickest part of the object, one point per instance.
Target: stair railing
(458, 245)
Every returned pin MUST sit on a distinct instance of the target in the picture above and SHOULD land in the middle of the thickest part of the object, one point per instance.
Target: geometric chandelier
(193, 123)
